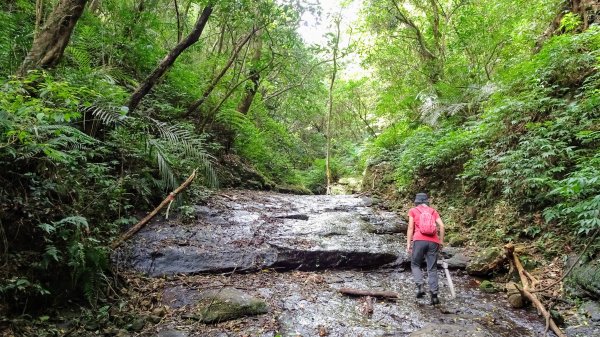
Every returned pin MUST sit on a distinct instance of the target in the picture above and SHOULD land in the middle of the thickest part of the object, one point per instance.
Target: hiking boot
(434, 299)
(420, 291)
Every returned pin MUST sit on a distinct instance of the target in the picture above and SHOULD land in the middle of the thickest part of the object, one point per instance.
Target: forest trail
(295, 253)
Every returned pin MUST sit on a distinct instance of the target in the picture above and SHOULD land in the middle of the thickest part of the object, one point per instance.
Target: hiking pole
(447, 272)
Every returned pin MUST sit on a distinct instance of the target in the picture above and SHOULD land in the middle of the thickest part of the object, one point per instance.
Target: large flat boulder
(251, 231)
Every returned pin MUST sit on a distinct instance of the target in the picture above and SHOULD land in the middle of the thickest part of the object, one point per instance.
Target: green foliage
(315, 179)
(533, 142)
(542, 138)
(51, 129)
(569, 22)
(16, 23)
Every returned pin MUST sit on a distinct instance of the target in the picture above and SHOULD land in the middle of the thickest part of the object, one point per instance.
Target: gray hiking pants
(429, 251)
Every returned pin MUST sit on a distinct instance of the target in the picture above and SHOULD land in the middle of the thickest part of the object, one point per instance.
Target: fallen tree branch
(148, 217)
(549, 321)
(374, 293)
(525, 291)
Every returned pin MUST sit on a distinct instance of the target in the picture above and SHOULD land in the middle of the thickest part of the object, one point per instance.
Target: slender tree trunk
(216, 80)
(39, 15)
(168, 61)
(50, 43)
(251, 91)
(330, 110)
(251, 88)
(179, 30)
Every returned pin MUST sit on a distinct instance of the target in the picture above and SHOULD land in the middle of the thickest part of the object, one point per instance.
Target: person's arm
(409, 234)
(442, 230)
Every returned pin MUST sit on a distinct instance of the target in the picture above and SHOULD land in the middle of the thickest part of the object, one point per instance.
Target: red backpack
(427, 222)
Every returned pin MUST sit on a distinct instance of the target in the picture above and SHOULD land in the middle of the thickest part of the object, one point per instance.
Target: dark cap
(421, 198)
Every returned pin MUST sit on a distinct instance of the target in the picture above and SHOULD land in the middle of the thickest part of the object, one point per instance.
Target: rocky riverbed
(277, 261)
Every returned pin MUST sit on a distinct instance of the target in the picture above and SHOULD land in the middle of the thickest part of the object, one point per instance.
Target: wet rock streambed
(284, 258)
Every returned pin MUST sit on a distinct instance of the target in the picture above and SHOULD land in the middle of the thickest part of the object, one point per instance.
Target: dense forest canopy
(107, 105)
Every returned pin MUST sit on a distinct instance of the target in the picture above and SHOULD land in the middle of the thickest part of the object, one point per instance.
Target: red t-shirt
(414, 213)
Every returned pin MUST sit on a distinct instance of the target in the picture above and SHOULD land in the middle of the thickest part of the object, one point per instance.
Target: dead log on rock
(526, 289)
(149, 217)
(373, 293)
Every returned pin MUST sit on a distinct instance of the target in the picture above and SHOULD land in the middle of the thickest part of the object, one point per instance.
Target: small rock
(154, 319)
(138, 324)
(592, 310)
(227, 304)
(122, 333)
(458, 261)
(169, 332)
(110, 331)
(515, 299)
(160, 311)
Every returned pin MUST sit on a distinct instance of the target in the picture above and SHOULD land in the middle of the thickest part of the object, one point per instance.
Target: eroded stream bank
(293, 253)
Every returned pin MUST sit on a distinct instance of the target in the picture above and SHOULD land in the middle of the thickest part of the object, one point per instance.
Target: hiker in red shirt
(423, 241)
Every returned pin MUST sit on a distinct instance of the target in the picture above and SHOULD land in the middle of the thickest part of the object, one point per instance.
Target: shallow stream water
(295, 252)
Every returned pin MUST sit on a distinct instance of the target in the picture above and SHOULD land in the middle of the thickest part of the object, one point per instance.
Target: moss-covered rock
(292, 189)
(488, 287)
(487, 261)
(227, 304)
(456, 239)
(585, 280)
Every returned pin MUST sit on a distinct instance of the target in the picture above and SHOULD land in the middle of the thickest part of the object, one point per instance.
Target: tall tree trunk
(330, 110)
(427, 53)
(587, 10)
(251, 90)
(50, 43)
(168, 61)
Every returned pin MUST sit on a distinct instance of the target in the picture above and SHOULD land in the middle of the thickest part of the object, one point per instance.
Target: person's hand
(409, 249)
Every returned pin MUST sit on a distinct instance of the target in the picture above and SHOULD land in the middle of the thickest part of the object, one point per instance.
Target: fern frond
(191, 144)
(232, 118)
(107, 117)
(80, 56)
(74, 135)
(164, 164)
